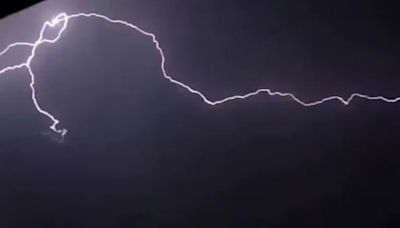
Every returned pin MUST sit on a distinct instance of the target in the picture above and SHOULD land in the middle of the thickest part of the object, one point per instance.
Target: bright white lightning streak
(64, 19)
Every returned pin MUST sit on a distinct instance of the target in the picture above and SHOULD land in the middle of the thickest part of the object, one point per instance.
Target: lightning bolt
(63, 19)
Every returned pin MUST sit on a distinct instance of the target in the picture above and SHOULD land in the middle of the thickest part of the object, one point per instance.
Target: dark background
(142, 152)
(16, 6)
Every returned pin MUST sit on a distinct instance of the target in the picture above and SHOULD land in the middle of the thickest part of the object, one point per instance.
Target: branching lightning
(63, 19)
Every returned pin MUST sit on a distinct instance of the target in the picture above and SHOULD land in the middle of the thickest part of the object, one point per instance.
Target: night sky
(142, 152)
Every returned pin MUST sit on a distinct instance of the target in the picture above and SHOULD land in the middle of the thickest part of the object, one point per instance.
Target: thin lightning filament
(63, 20)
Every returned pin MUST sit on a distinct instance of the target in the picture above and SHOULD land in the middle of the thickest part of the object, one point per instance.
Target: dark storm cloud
(142, 152)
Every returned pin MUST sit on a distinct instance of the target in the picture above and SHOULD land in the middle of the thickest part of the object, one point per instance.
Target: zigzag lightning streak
(64, 19)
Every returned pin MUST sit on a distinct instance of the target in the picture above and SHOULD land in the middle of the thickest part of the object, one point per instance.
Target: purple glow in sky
(63, 19)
